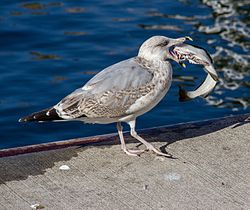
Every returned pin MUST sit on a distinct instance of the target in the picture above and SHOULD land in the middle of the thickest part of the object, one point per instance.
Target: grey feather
(123, 75)
(109, 93)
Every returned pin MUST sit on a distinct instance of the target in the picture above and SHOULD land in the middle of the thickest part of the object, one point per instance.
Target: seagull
(121, 92)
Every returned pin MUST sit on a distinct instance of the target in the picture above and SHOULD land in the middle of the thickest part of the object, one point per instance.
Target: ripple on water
(232, 59)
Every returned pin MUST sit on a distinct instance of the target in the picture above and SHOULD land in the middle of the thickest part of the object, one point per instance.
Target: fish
(199, 56)
(203, 90)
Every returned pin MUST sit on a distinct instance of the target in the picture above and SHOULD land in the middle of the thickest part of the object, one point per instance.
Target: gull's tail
(44, 115)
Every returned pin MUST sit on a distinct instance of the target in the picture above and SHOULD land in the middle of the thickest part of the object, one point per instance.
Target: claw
(130, 153)
(134, 153)
(151, 148)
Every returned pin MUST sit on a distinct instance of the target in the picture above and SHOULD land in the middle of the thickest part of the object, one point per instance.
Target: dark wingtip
(49, 114)
(28, 118)
(183, 95)
(23, 119)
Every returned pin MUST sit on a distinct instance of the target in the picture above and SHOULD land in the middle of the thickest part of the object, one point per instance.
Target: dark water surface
(50, 48)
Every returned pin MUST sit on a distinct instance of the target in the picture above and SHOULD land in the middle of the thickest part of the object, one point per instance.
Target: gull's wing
(109, 93)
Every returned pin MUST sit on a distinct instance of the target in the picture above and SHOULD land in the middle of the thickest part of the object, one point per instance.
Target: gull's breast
(161, 83)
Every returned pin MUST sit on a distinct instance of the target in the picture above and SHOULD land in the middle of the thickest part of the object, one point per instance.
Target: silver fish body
(197, 55)
(203, 90)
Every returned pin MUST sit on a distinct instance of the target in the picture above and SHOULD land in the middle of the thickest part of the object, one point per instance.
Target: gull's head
(160, 47)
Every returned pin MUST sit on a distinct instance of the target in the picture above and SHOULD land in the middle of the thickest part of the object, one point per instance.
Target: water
(48, 49)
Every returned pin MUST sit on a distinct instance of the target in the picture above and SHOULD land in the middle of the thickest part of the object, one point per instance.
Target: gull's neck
(151, 55)
(152, 65)
(152, 62)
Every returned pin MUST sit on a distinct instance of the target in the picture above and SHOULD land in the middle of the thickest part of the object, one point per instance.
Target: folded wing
(108, 94)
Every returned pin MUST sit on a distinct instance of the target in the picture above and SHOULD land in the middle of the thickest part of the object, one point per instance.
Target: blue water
(48, 49)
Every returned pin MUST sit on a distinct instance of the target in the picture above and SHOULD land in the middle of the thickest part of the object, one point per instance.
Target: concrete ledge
(211, 170)
(218, 123)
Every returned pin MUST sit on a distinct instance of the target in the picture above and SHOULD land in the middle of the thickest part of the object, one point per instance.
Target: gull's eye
(163, 44)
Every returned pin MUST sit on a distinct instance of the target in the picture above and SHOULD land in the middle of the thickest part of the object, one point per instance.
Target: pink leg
(149, 146)
(123, 145)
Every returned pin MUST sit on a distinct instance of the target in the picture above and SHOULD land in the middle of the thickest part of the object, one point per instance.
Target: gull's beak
(182, 64)
(195, 55)
(179, 41)
(172, 43)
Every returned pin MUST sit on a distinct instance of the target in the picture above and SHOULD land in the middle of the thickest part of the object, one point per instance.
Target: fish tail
(43, 115)
(183, 95)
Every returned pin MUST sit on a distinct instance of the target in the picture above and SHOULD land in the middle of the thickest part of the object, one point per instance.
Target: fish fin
(183, 95)
(215, 77)
(206, 95)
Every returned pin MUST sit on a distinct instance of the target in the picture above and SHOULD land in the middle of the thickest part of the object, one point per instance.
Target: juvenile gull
(121, 92)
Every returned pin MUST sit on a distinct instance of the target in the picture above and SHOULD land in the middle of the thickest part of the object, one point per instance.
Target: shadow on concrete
(19, 167)
(36, 159)
(171, 134)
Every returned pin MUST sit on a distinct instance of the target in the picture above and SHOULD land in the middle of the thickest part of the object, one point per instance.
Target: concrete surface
(211, 171)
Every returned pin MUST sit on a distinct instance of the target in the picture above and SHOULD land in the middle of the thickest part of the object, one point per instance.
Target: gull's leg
(149, 146)
(123, 145)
